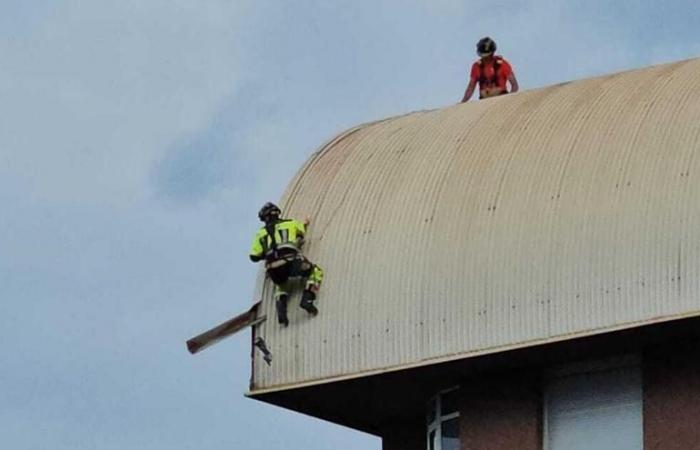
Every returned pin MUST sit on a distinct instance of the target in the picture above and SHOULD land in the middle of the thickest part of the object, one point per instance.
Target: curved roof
(529, 218)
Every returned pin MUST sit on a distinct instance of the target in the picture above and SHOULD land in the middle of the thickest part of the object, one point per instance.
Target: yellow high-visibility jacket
(289, 236)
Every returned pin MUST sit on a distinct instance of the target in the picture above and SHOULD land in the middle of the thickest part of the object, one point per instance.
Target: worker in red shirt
(491, 72)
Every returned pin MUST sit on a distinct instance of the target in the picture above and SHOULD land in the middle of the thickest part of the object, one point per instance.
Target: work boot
(307, 302)
(281, 305)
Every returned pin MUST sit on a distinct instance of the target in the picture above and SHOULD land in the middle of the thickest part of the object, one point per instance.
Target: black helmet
(485, 47)
(268, 212)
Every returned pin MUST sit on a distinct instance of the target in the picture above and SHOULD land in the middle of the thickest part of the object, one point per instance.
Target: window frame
(435, 425)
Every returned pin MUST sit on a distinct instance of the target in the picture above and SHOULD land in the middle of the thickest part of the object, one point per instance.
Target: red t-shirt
(504, 71)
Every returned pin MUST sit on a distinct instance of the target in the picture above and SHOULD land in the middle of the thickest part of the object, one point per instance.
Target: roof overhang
(373, 402)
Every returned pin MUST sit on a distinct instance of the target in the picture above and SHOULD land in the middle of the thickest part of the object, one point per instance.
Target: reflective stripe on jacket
(289, 235)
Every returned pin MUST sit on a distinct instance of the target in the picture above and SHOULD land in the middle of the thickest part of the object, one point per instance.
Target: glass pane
(431, 441)
(599, 410)
(450, 434)
(450, 402)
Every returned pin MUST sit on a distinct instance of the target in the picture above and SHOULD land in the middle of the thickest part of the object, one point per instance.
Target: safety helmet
(485, 47)
(268, 212)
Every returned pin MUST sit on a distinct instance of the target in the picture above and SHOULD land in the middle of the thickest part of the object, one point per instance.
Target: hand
(307, 221)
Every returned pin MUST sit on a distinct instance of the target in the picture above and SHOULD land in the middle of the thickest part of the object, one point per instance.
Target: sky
(138, 139)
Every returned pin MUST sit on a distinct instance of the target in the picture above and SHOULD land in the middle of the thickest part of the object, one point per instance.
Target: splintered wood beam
(225, 329)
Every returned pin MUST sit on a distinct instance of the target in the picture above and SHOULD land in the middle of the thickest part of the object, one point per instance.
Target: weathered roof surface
(541, 216)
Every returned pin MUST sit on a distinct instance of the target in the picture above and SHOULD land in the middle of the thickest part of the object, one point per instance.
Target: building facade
(517, 273)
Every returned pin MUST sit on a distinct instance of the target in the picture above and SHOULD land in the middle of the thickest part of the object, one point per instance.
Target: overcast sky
(138, 139)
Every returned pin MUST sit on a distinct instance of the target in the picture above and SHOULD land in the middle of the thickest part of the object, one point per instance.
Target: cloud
(93, 92)
(196, 167)
(217, 157)
(137, 141)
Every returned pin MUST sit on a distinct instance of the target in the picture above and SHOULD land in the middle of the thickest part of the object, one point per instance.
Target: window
(596, 406)
(443, 421)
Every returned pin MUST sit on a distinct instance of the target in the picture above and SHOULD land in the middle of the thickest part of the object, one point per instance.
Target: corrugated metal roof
(480, 227)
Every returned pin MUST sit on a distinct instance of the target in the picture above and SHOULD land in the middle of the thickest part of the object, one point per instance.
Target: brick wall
(502, 413)
(672, 397)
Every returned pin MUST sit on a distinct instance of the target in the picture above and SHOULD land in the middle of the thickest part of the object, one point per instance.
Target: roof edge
(468, 355)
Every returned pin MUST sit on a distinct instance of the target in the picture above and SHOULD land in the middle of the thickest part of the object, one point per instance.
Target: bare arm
(513, 83)
(470, 90)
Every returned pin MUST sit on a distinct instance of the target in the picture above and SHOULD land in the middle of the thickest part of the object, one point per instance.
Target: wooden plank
(225, 329)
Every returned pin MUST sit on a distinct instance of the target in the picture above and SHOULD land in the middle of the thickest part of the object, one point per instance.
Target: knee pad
(307, 302)
(308, 296)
